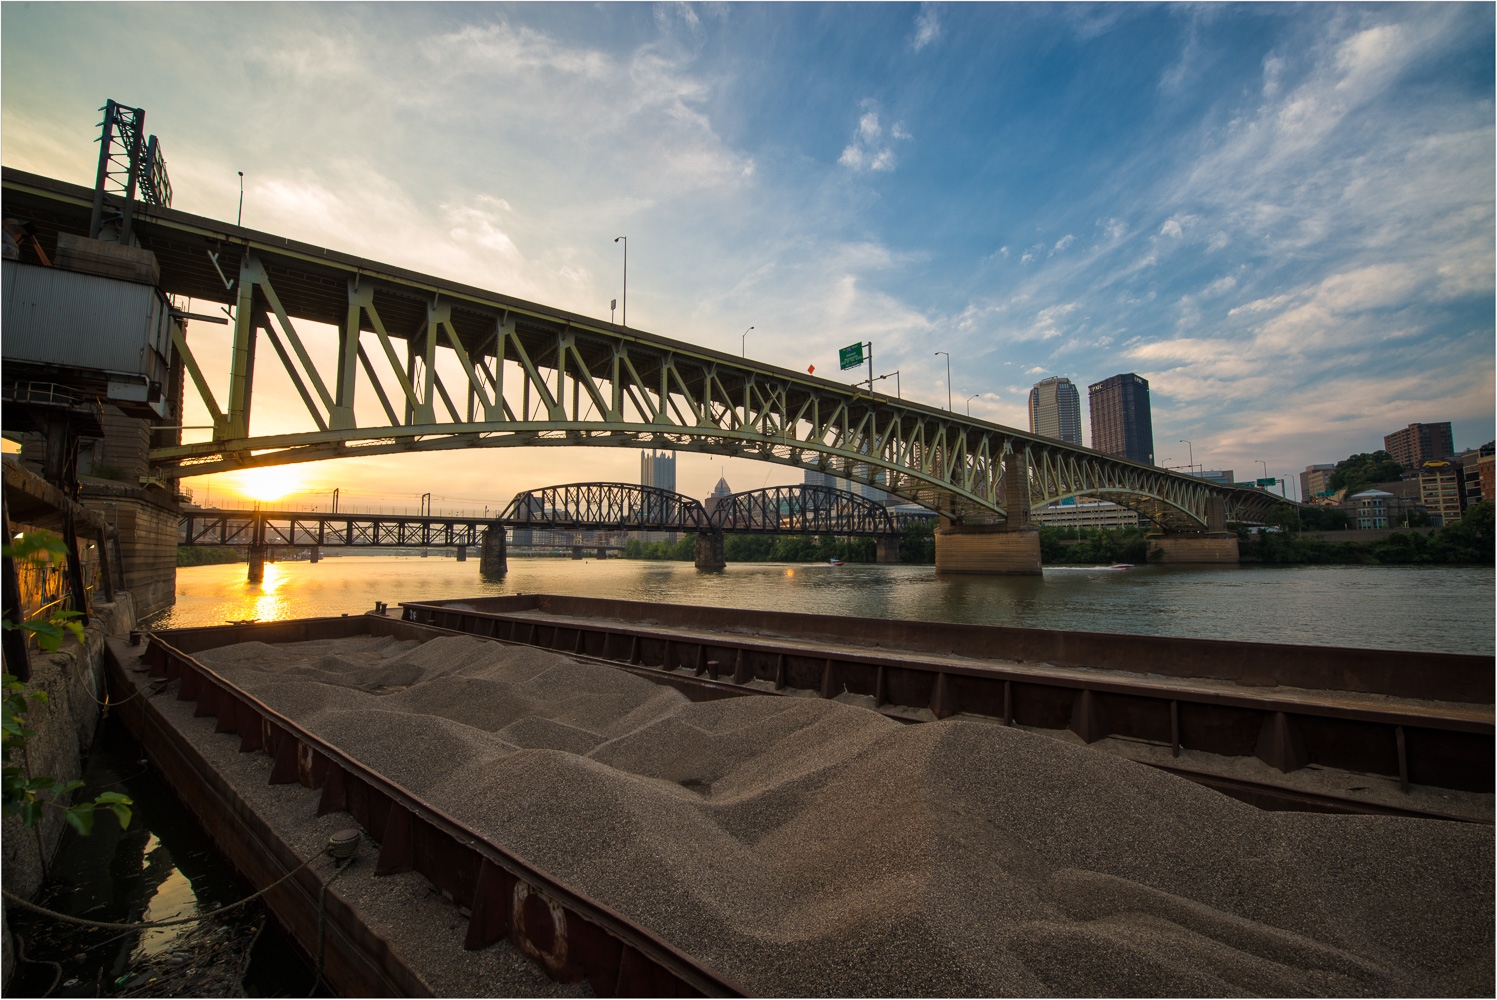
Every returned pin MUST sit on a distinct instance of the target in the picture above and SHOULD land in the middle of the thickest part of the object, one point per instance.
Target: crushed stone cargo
(810, 847)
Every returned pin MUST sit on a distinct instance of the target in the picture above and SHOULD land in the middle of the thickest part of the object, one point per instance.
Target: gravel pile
(806, 847)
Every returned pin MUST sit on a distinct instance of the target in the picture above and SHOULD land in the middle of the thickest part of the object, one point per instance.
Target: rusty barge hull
(1418, 717)
(569, 935)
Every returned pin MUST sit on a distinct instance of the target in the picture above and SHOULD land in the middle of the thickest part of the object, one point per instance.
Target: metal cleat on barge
(570, 796)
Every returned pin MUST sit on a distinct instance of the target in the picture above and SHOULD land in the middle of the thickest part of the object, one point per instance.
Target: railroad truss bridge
(777, 510)
(419, 363)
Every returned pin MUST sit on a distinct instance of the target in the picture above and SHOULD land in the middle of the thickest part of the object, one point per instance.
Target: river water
(1448, 608)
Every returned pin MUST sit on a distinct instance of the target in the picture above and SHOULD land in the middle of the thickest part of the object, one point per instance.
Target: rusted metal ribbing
(453, 857)
(742, 674)
(829, 679)
(1086, 721)
(880, 688)
(1008, 703)
(396, 852)
(577, 646)
(779, 672)
(943, 700)
(1174, 728)
(1280, 744)
(188, 689)
(665, 656)
(1403, 758)
(333, 798)
(634, 648)
(251, 732)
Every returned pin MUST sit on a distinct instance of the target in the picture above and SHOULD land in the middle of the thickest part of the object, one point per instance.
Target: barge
(525, 872)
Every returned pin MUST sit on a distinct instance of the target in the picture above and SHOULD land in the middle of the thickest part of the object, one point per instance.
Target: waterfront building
(1369, 509)
(1476, 472)
(658, 469)
(1420, 443)
(1442, 491)
(1315, 481)
(1081, 513)
(1055, 410)
(1121, 420)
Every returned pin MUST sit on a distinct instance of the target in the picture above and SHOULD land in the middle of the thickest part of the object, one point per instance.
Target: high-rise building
(1442, 490)
(1121, 421)
(1420, 443)
(1315, 480)
(1055, 410)
(658, 469)
(814, 478)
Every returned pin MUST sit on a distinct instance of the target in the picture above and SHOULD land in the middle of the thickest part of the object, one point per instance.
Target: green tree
(1359, 472)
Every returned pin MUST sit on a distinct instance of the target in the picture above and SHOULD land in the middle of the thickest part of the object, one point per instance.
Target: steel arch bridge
(424, 364)
(783, 510)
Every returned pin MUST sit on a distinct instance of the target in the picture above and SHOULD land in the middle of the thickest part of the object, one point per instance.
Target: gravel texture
(807, 847)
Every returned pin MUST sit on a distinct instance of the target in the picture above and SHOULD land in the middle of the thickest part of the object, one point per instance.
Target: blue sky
(1281, 215)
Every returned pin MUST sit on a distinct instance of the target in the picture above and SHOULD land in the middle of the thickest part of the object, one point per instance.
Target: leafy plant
(49, 631)
(24, 796)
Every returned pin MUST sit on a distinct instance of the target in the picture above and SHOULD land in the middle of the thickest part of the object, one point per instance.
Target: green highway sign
(1267, 482)
(851, 356)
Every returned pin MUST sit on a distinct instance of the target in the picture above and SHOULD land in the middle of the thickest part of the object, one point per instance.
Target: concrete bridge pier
(1008, 549)
(462, 553)
(316, 554)
(576, 552)
(710, 550)
(257, 563)
(888, 550)
(1214, 546)
(493, 554)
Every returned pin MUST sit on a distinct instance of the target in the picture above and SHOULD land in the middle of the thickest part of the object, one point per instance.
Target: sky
(1280, 215)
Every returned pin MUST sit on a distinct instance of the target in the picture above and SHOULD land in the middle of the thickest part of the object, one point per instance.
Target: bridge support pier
(462, 553)
(257, 564)
(1214, 546)
(316, 554)
(988, 548)
(493, 554)
(888, 550)
(1207, 548)
(710, 550)
(576, 552)
(1008, 549)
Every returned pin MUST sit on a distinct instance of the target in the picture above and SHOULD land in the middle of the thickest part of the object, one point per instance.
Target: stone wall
(147, 521)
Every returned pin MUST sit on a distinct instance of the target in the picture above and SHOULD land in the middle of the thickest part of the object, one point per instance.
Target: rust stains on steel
(572, 936)
(1448, 746)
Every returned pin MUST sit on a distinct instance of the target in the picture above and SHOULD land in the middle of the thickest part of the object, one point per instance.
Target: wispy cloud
(927, 27)
(868, 149)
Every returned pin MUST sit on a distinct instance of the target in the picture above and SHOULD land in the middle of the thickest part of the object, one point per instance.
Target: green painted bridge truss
(423, 364)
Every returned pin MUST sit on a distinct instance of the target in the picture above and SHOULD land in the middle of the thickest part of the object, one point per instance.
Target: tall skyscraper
(1055, 410)
(1121, 421)
(1420, 443)
(658, 469)
(1315, 480)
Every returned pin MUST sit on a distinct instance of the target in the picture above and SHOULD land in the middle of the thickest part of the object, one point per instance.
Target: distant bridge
(818, 510)
(783, 510)
(532, 375)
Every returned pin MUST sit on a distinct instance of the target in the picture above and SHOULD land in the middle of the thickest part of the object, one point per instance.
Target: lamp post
(948, 380)
(240, 218)
(1265, 467)
(743, 343)
(625, 240)
(969, 402)
(1192, 466)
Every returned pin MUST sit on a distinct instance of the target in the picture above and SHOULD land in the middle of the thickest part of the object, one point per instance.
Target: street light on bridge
(1191, 468)
(969, 402)
(626, 276)
(948, 380)
(743, 343)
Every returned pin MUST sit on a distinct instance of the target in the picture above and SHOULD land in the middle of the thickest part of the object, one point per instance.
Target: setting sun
(268, 483)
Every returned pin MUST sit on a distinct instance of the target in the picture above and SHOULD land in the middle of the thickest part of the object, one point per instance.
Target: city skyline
(1282, 218)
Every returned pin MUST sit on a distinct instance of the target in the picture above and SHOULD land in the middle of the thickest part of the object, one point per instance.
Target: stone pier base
(316, 554)
(257, 563)
(888, 551)
(493, 554)
(710, 551)
(988, 549)
(1216, 548)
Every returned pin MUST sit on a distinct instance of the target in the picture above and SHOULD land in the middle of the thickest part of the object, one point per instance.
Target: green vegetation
(1359, 472)
(761, 548)
(1093, 546)
(21, 794)
(205, 555)
(1467, 541)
